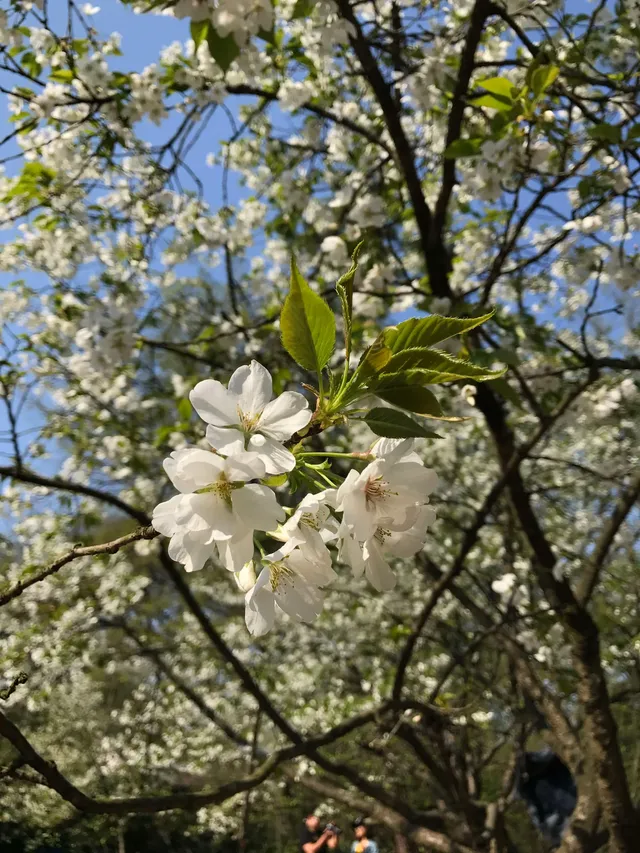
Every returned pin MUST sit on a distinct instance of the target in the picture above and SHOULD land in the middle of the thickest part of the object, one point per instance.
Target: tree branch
(435, 256)
(471, 536)
(243, 89)
(481, 11)
(600, 729)
(76, 552)
(623, 507)
(24, 475)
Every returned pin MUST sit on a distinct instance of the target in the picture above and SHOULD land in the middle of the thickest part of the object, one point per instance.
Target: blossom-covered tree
(327, 483)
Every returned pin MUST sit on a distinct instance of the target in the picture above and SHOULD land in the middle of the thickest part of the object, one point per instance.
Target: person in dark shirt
(546, 785)
(315, 840)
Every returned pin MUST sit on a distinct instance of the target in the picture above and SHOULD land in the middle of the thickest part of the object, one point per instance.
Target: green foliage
(429, 331)
(373, 360)
(199, 32)
(495, 102)
(307, 325)
(605, 132)
(33, 182)
(414, 398)
(463, 148)
(390, 423)
(542, 78)
(344, 288)
(224, 49)
(184, 409)
(302, 9)
(440, 366)
(500, 86)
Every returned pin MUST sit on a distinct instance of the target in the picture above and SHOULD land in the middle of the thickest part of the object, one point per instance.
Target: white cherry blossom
(311, 526)
(388, 491)
(218, 507)
(289, 583)
(243, 415)
(505, 584)
(370, 557)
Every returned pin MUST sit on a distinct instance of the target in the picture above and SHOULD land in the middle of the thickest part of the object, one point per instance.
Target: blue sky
(143, 38)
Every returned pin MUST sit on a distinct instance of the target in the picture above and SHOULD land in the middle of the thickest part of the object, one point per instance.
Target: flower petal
(259, 611)
(179, 480)
(350, 552)
(214, 403)
(299, 600)
(413, 479)
(392, 447)
(316, 572)
(377, 569)
(251, 384)
(285, 415)
(256, 507)
(236, 552)
(211, 510)
(246, 577)
(225, 441)
(275, 458)
(192, 553)
(164, 516)
(192, 468)
(244, 466)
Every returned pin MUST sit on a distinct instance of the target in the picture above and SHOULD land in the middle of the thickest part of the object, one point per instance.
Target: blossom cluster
(223, 502)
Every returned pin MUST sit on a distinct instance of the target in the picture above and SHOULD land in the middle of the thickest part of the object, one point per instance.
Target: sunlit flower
(218, 507)
(243, 416)
(289, 583)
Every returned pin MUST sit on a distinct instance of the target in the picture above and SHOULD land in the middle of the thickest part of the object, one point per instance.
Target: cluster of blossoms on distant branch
(226, 493)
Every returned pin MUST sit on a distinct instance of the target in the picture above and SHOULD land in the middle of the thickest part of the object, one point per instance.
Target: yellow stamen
(376, 490)
(278, 573)
(247, 422)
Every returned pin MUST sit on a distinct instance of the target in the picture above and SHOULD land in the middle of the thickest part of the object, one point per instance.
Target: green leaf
(415, 398)
(502, 387)
(586, 187)
(506, 356)
(344, 287)
(495, 102)
(276, 480)
(428, 331)
(349, 275)
(463, 148)
(62, 75)
(542, 78)
(605, 132)
(389, 423)
(302, 9)
(441, 366)
(372, 361)
(634, 132)
(223, 49)
(499, 86)
(199, 32)
(268, 35)
(184, 409)
(307, 325)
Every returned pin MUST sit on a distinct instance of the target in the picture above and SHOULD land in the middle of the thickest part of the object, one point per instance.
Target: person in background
(312, 840)
(362, 843)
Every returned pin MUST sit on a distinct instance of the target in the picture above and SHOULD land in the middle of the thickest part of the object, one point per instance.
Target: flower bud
(246, 577)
